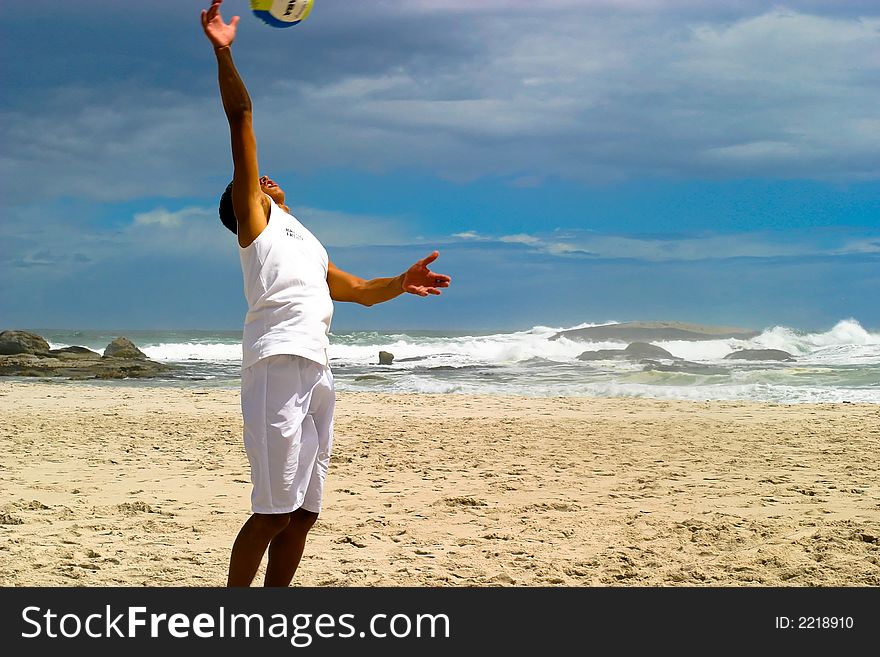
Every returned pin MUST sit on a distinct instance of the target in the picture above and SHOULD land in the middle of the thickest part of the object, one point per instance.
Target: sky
(572, 160)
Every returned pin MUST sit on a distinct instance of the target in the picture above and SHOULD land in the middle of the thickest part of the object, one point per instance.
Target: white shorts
(287, 405)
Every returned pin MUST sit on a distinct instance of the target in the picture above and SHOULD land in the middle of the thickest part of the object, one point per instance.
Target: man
(287, 395)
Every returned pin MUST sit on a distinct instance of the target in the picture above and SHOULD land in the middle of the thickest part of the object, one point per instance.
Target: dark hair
(227, 213)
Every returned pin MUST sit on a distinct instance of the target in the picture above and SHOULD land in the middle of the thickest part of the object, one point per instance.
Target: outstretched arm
(250, 204)
(418, 280)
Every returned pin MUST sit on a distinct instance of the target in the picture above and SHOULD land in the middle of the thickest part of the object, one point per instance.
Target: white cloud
(344, 229)
(755, 151)
(59, 247)
(859, 246)
(687, 248)
(521, 239)
(164, 218)
(591, 91)
(63, 246)
(611, 96)
(635, 6)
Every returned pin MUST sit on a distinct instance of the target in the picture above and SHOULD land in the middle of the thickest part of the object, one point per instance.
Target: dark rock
(453, 368)
(603, 354)
(81, 367)
(386, 358)
(685, 367)
(81, 363)
(654, 331)
(123, 348)
(22, 342)
(370, 377)
(74, 352)
(760, 354)
(21, 361)
(646, 350)
(634, 351)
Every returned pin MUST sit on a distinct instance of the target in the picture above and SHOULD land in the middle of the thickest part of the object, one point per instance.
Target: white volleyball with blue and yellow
(282, 13)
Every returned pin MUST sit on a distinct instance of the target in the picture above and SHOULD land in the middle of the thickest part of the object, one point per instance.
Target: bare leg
(286, 549)
(250, 546)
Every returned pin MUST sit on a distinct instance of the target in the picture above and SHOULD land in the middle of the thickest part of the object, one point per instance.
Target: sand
(109, 485)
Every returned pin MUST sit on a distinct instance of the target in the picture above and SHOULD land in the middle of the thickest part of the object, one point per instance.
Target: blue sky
(573, 161)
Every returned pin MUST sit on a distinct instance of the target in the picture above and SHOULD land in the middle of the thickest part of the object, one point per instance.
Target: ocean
(841, 364)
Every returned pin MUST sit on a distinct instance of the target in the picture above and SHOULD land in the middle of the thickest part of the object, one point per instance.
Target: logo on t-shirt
(291, 233)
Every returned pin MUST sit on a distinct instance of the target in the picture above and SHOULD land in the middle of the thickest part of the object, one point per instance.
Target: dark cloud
(590, 91)
(107, 101)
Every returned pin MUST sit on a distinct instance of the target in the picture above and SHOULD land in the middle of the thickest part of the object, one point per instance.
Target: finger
(431, 258)
(234, 20)
(433, 290)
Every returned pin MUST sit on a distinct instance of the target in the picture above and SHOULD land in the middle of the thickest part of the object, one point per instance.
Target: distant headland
(651, 331)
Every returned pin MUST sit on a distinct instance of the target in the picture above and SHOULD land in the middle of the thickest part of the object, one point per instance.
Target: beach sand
(108, 485)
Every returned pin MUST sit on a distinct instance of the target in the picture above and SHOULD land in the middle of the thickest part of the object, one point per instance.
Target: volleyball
(281, 13)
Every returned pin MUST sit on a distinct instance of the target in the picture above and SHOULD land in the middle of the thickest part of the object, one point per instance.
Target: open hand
(418, 279)
(220, 34)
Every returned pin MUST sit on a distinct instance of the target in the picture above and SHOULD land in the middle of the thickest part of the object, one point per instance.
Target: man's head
(227, 212)
(272, 190)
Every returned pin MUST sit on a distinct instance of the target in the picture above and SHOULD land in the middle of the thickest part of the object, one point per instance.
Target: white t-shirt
(285, 284)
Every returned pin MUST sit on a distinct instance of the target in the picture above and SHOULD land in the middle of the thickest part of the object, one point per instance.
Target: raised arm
(250, 204)
(418, 280)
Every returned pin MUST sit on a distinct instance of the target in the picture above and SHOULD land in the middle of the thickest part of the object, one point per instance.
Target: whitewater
(841, 364)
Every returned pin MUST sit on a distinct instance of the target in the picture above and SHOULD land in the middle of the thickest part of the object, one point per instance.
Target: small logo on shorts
(291, 233)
